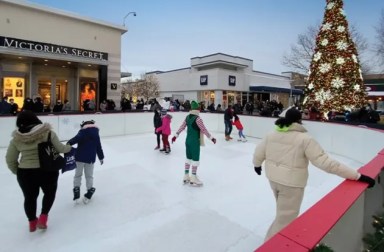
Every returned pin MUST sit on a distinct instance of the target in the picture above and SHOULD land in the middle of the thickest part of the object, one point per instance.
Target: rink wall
(342, 215)
(357, 143)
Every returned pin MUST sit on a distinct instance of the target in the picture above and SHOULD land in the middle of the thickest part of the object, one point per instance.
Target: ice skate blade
(195, 185)
(86, 200)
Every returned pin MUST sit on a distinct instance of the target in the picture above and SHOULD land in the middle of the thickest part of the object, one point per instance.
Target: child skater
(240, 128)
(195, 137)
(165, 130)
(88, 146)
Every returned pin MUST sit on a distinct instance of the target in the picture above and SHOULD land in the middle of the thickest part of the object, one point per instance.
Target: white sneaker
(186, 179)
(195, 181)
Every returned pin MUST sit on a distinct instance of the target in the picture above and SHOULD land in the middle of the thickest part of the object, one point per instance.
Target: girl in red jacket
(240, 128)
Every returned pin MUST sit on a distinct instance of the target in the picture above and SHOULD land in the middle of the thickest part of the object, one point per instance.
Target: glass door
(50, 94)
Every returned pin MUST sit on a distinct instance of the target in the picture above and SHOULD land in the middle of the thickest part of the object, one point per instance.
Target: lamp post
(131, 12)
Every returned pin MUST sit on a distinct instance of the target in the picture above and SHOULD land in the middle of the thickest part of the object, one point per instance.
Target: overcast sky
(166, 34)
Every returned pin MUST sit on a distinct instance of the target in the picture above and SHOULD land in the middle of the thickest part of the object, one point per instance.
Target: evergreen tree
(375, 242)
(335, 79)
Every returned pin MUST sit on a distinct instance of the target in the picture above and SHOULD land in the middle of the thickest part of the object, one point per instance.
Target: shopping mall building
(225, 79)
(57, 55)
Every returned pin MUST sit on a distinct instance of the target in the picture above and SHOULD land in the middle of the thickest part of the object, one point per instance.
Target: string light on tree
(335, 80)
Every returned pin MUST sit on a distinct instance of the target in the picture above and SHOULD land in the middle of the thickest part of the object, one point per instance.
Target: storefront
(56, 55)
(224, 79)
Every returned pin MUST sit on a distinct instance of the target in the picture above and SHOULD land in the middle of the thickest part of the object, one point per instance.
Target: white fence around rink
(357, 143)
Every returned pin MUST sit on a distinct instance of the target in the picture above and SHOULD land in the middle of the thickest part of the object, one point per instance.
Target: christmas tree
(375, 242)
(335, 79)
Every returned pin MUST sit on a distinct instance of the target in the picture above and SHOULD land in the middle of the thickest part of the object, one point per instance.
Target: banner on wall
(232, 80)
(88, 95)
(14, 88)
(204, 80)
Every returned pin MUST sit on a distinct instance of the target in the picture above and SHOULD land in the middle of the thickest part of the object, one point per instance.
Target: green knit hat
(194, 105)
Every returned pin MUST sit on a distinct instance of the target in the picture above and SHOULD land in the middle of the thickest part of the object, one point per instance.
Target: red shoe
(42, 222)
(32, 225)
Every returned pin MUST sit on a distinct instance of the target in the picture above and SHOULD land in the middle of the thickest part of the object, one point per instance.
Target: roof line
(63, 13)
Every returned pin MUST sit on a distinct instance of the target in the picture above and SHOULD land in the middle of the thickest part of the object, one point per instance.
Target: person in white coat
(287, 152)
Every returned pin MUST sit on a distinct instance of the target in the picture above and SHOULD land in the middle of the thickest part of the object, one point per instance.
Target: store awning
(267, 89)
(376, 93)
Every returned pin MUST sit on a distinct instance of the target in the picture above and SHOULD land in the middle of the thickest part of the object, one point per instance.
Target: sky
(141, 205)
(165, 35)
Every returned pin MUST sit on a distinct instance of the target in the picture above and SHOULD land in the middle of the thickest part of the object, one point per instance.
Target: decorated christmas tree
(375, 242)
(335, 79)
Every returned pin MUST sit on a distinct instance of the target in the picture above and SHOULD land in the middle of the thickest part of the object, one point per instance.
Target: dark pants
(30, 181)
(228, 127)
(158, 138)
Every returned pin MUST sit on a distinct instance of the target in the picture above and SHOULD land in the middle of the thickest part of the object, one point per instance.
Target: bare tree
(379, 46)
(300, 56)
(147, 87)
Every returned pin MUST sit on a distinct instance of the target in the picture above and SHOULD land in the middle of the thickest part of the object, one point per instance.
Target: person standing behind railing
(287, 153)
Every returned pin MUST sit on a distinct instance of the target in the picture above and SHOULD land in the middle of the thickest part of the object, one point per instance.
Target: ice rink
(140, 202)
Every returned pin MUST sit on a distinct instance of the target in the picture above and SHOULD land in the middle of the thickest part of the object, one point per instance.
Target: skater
(240, 128)
(157, 124)
(88, 146)
(228, 116)
(165, 130)
(195, 137)
(22, 159)
(286, 153)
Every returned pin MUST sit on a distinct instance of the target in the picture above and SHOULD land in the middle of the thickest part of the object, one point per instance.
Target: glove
(213, 140)
(173, 139)
(258, 170)
(101, 162)
(370, 181)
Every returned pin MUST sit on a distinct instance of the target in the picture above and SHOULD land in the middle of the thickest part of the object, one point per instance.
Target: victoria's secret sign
(50, 48)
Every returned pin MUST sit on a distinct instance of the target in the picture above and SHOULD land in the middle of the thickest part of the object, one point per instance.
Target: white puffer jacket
(286, 153)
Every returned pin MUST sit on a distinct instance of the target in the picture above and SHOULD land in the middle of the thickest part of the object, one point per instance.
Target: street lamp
(132, 12)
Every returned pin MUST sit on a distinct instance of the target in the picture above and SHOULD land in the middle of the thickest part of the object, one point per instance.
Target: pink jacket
(165, 128)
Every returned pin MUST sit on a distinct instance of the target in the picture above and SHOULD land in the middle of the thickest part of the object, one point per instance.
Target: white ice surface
(140, 202)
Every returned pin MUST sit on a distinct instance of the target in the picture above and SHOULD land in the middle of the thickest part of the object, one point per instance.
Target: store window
(14, 88)
(88, 97)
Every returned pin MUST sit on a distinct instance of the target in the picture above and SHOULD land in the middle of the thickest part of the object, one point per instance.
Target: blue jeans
(228, 127)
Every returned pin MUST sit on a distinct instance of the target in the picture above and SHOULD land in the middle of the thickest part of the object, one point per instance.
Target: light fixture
(132, 12)
(69, 63)
(46, 60)
(20, 57)
(89, 65)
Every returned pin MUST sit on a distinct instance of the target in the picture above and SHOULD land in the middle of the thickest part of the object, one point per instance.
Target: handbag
(49, 158)
(70, 161)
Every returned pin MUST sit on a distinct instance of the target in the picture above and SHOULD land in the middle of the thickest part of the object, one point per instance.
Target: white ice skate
(195, 181)
(186, 179)
(244, 140)
(88, 195)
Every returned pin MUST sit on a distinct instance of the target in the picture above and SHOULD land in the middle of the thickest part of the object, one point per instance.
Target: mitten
(173, 139)
(370, 181)
(213, 140)
(258, 170)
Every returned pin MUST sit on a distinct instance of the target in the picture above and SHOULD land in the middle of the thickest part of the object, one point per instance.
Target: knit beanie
(26, 120)
(194, 105)
(163, 111)
(87, 122)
